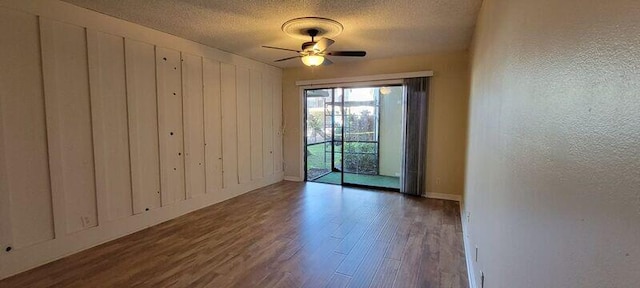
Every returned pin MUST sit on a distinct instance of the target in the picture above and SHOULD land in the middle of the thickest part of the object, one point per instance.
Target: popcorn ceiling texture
(382, 28)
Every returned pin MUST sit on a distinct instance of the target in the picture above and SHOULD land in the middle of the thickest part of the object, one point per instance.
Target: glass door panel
(371, 151)
(353, 136)
(360, 147)
(318, 129)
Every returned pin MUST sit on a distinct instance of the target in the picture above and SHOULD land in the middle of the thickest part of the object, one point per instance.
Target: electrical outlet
(468, 217)
(438, 181)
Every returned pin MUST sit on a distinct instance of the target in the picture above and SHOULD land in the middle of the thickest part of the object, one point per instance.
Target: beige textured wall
(447, 112)
(553, 175)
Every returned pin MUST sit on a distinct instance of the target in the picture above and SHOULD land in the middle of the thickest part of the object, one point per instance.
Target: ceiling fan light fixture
(313, 52)
(312, 60)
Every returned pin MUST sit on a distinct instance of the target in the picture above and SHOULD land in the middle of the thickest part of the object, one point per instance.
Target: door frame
(342, 82)
(333, 88)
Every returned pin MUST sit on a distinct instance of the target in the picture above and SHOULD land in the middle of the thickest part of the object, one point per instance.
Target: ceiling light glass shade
(385, 90)
(312, 60)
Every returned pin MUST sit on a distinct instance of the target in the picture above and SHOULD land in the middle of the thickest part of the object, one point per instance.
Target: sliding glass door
(353, 136)
(372, 143)
(319, 133)
(361, 135)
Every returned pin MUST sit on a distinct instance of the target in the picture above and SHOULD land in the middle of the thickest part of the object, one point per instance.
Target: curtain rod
(377, 77)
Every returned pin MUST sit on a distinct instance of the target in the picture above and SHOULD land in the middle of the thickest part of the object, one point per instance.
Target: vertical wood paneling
(170, 127)
(143, 124)
(67, 101)
(193, 107)
(229, 130)
(244, 124)
(277, 125)
(110, 125)
(267, 125)
(256, 124)
(25, 192)
(91, 131)
(212, 125)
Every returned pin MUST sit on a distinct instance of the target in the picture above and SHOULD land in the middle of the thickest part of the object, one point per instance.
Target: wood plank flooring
(285, 235)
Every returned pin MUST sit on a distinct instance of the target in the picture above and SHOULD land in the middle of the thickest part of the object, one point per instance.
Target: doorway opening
(353, 136)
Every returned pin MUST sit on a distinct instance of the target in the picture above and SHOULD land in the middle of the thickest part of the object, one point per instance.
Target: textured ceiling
(382, 28)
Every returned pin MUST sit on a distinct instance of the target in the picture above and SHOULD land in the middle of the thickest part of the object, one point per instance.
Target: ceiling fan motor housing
(308, 46)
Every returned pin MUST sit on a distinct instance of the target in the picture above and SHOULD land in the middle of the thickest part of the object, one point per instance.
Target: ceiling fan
(314, 53)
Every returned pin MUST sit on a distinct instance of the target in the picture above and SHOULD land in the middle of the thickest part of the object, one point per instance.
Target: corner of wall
(467, 246)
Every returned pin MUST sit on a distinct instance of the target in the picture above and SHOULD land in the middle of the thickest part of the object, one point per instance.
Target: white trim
(368, 78)
(302, 130)
(292, 178)
(443, 196)
(467, 248)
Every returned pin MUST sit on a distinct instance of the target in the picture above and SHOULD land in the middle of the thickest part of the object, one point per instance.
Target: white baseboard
(467, 248)
(293, 178)
(443, 196)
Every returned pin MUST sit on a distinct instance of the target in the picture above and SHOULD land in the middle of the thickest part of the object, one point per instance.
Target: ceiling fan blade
(348, 53)
(323, 44)
(327, 61)
(288, 58)
(278, 48)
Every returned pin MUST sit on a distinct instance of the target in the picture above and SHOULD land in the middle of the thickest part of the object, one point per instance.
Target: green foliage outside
(360, 157)
(315, 126)
(315, 157)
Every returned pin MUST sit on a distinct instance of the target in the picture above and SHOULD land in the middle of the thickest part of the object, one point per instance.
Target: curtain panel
(415, 136)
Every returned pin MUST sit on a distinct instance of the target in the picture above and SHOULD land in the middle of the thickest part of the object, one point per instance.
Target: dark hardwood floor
(285, 235)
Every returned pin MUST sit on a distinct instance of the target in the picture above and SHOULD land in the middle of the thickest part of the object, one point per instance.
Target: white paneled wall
(229, 125)
(212, 125)
(107, 127)
(193, 119)
(256, 125)
(267, 127)
(24, 163)
(170, 128)
(69, 125)
(110, 125)
(244, 124)
(276, 119)
(143, 126)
